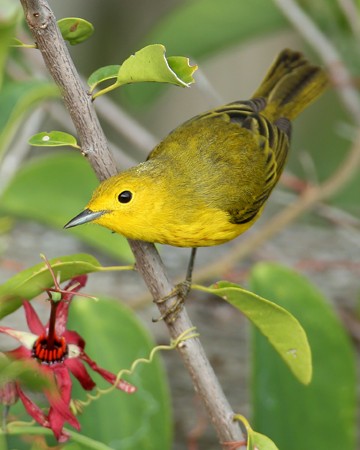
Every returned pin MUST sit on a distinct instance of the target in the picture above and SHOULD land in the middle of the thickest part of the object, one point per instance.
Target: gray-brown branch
(45, 31)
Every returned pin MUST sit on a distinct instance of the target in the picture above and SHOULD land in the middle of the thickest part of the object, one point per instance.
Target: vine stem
(21, 429)
(47, 36)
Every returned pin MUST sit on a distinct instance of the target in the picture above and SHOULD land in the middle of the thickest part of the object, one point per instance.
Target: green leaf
(53, 139)
(326, 409)
(114, 339)
(103, 74)
(11, 370)
(282, 330)
(260, 442)
(63, 198)
(151, 64)
(31, 282)
(255, 440)
(9, 16)
(210, 28)
(75, 30)
(202, 28)
(17, 99)
(14, 42)
(180, 65)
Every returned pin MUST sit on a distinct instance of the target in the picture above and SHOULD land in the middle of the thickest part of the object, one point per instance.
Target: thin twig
(19, 148)
(60, 116)
(351, 13)
(338, 72)
(125, 125)
(43, 26)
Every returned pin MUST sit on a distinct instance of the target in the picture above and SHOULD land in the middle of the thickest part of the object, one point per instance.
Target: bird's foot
(180, 291)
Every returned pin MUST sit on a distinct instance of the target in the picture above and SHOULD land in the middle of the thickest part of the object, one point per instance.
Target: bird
(208, 180)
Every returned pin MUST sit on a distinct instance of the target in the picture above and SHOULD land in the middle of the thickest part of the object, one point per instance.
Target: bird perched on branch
(209, 179)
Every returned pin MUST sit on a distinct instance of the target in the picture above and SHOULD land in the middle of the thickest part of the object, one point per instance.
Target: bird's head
(128, 203)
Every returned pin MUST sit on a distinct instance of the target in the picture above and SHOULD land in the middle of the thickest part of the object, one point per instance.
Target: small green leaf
(283, 331)
(260, 442)
(33, 281)
(75, 30)
(53, 139)
(151, 64)
(14, 42)
(103, 74)
(255, 441)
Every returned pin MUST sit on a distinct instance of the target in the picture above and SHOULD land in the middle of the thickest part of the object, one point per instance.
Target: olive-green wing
(273, 141)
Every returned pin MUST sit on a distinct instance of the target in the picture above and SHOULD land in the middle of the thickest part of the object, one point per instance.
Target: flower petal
(62, 312)
(72, 337)
(32, 409)
(36, 413)
(19, 353)
(60, 401)
(32, 319)
(25, 338)
(77, 368)
(108, 376)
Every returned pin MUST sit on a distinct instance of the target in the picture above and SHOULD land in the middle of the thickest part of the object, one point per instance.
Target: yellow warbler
(208, 180)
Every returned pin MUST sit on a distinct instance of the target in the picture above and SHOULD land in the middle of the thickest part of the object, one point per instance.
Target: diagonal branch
(42, 24)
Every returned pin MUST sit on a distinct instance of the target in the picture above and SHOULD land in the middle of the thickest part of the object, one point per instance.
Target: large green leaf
(320, 416)
(147, 64)
(23, 372)
(54, 189)
(202, 27)
(31, 282)
(114, 339)
(199, 28)
(281, 329)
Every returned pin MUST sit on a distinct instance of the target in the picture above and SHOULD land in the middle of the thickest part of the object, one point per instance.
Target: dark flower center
(47, 352)
(50, 349)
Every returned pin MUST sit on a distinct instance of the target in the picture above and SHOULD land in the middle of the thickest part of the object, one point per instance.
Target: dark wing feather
(274, 142)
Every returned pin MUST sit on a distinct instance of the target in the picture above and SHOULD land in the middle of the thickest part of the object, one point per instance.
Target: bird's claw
(180, 291)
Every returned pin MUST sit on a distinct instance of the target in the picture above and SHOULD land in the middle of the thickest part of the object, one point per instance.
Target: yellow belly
(207, 227)
(212, 228)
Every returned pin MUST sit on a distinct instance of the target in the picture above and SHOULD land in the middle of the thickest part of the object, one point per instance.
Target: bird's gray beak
(84, 217)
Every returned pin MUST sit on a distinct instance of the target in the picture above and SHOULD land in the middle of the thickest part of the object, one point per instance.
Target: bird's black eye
(125, 197)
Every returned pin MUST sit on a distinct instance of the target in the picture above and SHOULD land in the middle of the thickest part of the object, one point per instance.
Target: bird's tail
(290, 85)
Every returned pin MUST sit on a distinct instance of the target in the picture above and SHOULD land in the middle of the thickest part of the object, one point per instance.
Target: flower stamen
(49, 353)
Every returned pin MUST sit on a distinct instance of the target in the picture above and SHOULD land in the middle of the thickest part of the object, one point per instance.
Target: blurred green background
(233, 42)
